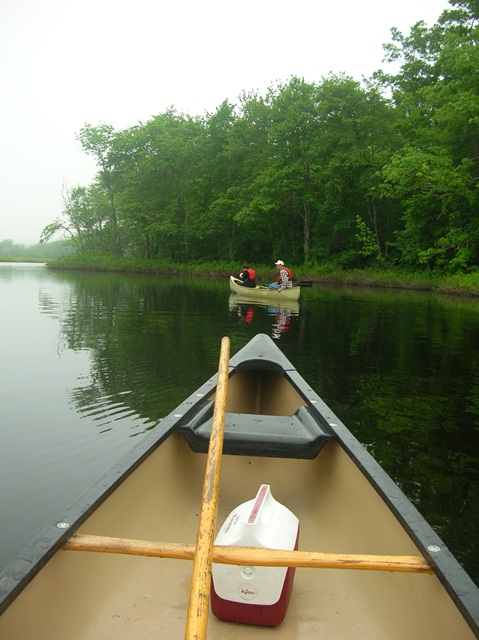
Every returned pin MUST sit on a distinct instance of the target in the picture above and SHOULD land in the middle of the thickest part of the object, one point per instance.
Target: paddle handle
(197, 618)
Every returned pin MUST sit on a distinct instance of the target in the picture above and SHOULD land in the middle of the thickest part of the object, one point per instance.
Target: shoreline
(460, 285)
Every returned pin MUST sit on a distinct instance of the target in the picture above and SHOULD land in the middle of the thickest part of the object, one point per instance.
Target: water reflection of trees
(134, 328)
(402, 373)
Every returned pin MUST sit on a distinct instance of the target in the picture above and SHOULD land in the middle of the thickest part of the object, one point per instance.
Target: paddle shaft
(200, 587)
(250, 556)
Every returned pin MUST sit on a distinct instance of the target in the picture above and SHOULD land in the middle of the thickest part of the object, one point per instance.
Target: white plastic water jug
(255, 595)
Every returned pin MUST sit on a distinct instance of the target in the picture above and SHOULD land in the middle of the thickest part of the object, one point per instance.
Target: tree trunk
(307, 231)
(307, 219)
(374, 217)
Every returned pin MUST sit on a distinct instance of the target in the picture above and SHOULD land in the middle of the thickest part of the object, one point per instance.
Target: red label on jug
(258, 503)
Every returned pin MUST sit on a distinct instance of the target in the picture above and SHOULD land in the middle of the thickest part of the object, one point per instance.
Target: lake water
(89, 362)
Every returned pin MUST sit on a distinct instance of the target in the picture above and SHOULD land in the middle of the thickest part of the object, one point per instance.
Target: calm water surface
(91, 362)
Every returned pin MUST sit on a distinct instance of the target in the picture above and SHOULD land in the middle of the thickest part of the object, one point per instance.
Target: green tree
(99, 143)
(357, 134)
(84, 222)
(155, 178)
(281, 193)
(435, 174)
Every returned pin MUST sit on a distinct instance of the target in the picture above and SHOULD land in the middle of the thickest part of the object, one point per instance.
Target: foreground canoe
(380, 572)
(261, 292)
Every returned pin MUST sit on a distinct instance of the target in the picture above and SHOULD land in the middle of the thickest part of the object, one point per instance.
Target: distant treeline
(44, 251)
(338, 172)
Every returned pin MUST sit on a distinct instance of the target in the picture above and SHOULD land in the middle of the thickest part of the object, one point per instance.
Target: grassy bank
(463, 284)
(34, 260)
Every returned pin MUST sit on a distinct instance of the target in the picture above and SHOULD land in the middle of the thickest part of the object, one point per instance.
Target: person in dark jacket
(248, 277)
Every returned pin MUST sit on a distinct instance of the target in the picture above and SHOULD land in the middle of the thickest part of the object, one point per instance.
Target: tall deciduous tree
(435, 174)
(99, 143)
(356, 135)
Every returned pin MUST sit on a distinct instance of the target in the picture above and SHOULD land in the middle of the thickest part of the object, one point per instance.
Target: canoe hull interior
(344, 501)
(90, 595)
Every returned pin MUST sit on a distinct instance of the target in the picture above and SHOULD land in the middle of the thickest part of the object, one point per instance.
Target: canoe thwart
(249, 555)
(298, 436)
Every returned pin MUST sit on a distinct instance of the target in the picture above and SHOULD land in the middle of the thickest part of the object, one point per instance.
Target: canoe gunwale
(458, 584)
(451, 574)
(260, 352)
(14, 578)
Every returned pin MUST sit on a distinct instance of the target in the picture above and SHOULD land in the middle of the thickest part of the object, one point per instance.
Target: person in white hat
(284, 279)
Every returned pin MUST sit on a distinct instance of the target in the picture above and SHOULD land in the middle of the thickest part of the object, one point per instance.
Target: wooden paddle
(200, 587)
(250, 556)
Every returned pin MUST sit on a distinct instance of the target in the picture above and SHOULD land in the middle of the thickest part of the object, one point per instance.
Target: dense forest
(339, 172)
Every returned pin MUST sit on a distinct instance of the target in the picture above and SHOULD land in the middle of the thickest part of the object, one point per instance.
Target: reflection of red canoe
(278, 432)
(263, 293)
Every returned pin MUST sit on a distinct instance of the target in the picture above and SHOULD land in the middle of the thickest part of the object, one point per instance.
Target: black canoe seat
(296, 436)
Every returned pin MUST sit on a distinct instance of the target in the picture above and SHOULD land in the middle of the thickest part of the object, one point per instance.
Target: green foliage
(366, 238)
(335, 172)
(39, 252)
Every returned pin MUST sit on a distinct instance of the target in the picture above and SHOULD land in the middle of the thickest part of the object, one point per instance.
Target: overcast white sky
(64, 63)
